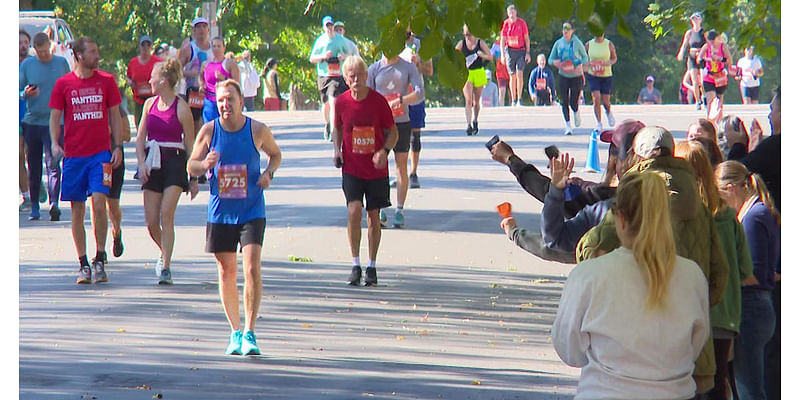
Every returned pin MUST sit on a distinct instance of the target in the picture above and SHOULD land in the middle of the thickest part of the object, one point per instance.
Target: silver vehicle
(59, 31)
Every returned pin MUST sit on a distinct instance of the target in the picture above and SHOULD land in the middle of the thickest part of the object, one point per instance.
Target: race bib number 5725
(232, 181)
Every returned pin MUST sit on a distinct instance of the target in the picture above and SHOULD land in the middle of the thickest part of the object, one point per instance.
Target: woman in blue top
(569, 56)
(227, 148)
(747, 193)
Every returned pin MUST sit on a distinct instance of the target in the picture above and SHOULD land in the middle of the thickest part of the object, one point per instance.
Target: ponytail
(697, 155)
(757, 185)
(643, 202)
(735, 173)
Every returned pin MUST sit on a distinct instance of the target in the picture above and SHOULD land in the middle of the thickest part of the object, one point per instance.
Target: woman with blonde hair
(726, 315)
(746, 193)
(650, 333)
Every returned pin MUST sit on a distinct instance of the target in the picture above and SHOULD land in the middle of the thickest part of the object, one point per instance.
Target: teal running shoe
(249, 346)
(235, 345)
(384, 220)
(399, 219)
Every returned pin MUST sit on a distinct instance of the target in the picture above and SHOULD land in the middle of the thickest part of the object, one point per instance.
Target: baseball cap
(199, 20)
(621, 138)
(145, 38)
(327, 20)
(338, 23)
(697, 14)
(651, 138)
(650, 78)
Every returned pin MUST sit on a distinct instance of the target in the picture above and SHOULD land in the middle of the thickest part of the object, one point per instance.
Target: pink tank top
(164, 126)
(714, 68)
(210, 77)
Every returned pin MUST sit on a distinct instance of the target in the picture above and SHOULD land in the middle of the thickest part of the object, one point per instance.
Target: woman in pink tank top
(165, 137)
(716, 57)
(216, 70)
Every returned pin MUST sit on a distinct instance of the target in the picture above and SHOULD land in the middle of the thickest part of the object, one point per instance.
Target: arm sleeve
(745, 260)
(531, 79)
(532, 243)
(529, 178)
(718, 268)
(757, 235)
(569, 340)
(562, 234)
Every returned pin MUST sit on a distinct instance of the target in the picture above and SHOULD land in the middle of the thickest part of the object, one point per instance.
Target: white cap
(199, 20)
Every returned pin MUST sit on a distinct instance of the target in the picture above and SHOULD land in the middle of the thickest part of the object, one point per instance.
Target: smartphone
(493, 141)
(551, 152)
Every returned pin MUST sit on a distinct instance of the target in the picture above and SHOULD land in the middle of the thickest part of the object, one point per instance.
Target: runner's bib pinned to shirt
(567, 67)
(144, 89)
(541, 84)
(334, 69)
(598, 67)
(107, 174)
(470, 59)
(196, 99)
(397, 109)
(363, 139)
(513, 42)
(232, 181)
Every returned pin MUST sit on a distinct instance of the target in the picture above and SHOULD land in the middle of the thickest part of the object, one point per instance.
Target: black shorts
(223, 238)
(751, 92)
(516, 60)
(375, 190)
(331, 87)
(117, 177)
(172, 172)
(197, 113)
(604, 85)
(403, 137)
(709, 87)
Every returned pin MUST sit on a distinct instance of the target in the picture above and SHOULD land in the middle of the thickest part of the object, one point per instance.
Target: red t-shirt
(140, 74)
(515, 33)
(362, 124)
(85, 104)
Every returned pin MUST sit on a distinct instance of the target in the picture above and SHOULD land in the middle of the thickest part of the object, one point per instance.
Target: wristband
(387, 150)
(193, 179)
(271, 174)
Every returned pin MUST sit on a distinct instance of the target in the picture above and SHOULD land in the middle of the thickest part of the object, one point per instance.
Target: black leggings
(569, 90)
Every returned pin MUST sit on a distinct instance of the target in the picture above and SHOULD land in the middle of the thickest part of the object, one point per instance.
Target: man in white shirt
(338, 27)
(752, 70)
(250, 82)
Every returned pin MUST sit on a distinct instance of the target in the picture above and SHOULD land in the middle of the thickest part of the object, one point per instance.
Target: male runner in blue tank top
(227, 148)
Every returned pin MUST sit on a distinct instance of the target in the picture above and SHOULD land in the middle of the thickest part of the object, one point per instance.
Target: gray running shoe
(85, 274)
(165, 278)
(99, 271)
(413, 181)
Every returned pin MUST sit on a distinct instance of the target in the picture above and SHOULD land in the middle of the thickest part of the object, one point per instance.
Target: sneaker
(118, 247)
(413, 181)
(34, 215)
(159, 266)
(55, 214)
(235, 344)
(99, 271)
(610, 118)
(384, 220)
(372, 277)
(399, 219)
(26, 204)
(85, 274)
(599, 127)
(577, 119)
(249, 346)
(519, 103)
(165, 278)
(355, 276)
(393, 183)
(699, 106)
(474, 127)
(469, 130)
(568, 132)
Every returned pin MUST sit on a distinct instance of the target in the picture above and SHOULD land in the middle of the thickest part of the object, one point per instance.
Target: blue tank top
(235, 196)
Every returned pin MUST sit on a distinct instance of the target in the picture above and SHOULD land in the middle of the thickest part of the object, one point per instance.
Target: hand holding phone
(493, 141)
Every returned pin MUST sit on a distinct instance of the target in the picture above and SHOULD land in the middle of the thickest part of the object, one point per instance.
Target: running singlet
(85, 103)
(696, 39)
(514, 33)
(210, 77)
(198, 58)
(164, 126)
(598, 54)
(716, 69)
(363, 124)
(235, 196)
(474, 61)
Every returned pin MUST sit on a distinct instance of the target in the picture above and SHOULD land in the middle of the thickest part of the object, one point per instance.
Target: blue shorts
(210, 111)
(83, 176)
(602, 85)
(417, 114)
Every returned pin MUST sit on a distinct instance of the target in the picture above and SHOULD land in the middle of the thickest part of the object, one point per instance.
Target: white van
(60, 33)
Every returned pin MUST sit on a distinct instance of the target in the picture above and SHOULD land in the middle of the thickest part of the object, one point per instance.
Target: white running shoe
(611, 120)
(568, 131)
(577, 119)
(599, 127)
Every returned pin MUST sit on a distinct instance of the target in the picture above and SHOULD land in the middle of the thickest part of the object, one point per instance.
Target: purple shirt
(164, 126)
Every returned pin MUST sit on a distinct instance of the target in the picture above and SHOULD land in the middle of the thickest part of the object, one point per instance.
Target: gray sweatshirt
(393, 79)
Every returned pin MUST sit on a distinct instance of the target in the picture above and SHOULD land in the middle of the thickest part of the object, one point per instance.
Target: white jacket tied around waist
(153, 159)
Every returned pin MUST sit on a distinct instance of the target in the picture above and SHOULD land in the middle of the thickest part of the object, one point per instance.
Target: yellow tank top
(599, 52)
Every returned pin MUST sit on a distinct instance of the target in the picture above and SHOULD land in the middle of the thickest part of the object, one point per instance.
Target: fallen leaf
(299, 259)
(306, 325)
(540, 280)
(158, 396)
(120, 330)
(512, 269)
(414, 307)
(383, 302)
(398, 337)
(425, 332)
(476, 382)
(463, 333)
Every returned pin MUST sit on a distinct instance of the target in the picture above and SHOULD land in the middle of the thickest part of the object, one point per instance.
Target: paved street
(460, 312)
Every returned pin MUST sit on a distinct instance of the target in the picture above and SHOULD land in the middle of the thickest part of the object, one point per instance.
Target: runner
(24, 46)
(272, 91)
(250, 82)
(392, 78)
(602, 55)
(138, 75)
(752, 71)
(475, 51)
(165, 136)
(216, 69)
(328, 52)
(416, 112)
(686, 91)
(569, 56)
(500, 72)
(717, 58)
(37, 76)
(694, 39)
(364, 132)
(338, 27)
(542, 83)
(228, 149)
(89, 99)
(194, 52)
(489, 95)
(516, 45)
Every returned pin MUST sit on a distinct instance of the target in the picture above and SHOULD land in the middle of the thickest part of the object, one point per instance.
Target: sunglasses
(566, 28)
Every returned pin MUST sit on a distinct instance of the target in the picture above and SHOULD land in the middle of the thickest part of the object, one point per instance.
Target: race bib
(597, 67)
(720, 80)
(513, 42)
(567, 67)
(363, 140)
(144, 89)
(541, 84)
(107, 174)
(397, 109)
(470, 59)
(196, 99)
(232, 181)
(334, 70)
